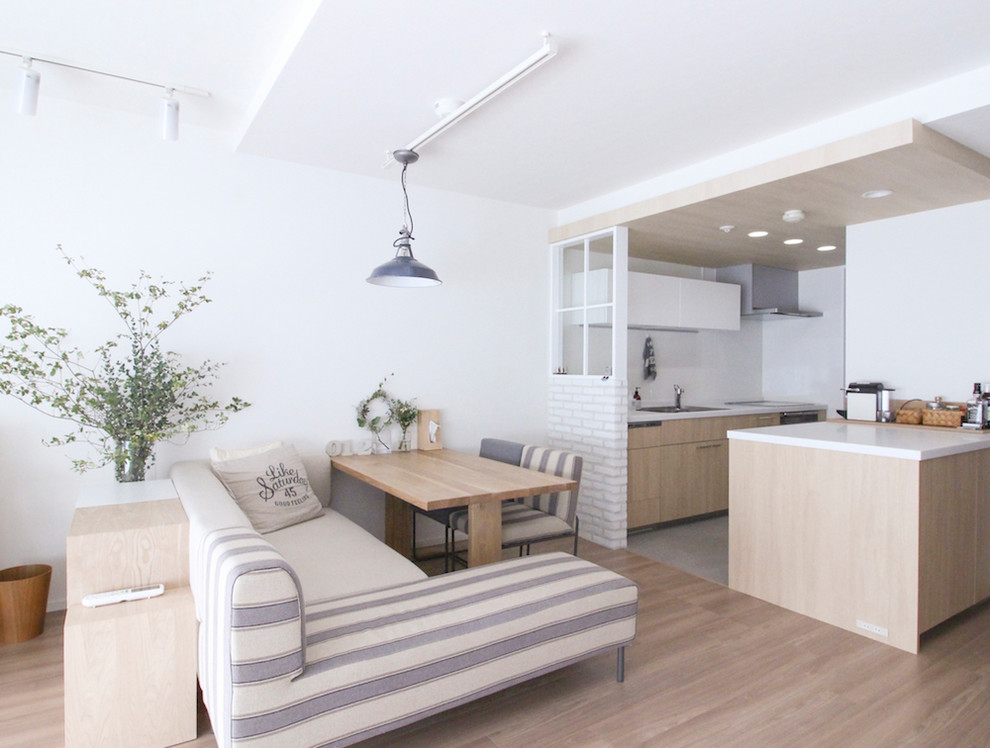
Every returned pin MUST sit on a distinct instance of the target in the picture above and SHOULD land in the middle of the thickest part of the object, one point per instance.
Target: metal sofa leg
(620, 665)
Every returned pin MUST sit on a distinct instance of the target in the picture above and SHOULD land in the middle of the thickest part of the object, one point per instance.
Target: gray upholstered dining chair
(534, 518)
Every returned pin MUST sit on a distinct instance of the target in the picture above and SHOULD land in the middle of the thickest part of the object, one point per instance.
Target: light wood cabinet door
(643, 504)
(681, 468)
(693, 479)
(736, 423)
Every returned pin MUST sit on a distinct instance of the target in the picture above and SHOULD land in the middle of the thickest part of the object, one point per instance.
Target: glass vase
(131, 459)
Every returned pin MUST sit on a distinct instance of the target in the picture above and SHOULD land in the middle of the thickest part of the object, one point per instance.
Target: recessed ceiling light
(873, 194)
(758, 234)
(826, 248)
(793, 241)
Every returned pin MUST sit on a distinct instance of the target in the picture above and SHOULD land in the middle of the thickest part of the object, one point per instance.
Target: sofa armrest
(252, 630)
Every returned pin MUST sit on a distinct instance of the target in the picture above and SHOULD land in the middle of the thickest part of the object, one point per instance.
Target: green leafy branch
(134, 395)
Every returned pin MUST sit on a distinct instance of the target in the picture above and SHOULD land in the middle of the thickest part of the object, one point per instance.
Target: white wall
(303, 336)
(917, 302)
(803, 358)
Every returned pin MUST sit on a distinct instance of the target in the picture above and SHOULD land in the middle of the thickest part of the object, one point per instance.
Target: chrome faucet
(678, 391)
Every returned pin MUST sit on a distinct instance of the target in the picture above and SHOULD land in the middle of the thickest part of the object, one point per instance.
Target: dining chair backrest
(501, 450)
(557, 462)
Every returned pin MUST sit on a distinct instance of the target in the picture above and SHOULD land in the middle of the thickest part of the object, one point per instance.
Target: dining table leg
(398, 525)
(485, 536)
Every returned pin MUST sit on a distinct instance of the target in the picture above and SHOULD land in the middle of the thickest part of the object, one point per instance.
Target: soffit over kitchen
(924, 170)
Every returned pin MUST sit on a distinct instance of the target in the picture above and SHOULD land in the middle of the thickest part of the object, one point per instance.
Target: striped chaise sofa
(320, 635)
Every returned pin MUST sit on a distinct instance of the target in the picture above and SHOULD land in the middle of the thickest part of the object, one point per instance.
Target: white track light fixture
(453, 110)
(28, 83)
(404, 270)
(170, 115)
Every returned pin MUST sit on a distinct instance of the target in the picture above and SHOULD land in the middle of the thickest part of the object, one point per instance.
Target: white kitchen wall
(917, 302)
(803, 358)
(711, 366)
(303, 336)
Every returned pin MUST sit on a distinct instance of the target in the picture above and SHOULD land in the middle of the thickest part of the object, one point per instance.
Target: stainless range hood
(767, 292)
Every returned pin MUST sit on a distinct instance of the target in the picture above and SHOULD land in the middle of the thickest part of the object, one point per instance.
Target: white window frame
(618, 305)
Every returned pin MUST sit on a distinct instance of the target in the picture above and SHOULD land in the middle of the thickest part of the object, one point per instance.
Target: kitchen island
(880, 529)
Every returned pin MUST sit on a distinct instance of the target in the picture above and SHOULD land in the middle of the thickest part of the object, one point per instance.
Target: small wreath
(375, 424)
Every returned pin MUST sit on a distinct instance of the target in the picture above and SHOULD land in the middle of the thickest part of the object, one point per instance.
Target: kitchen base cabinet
(694, 479)
(679, 468)
(643, 493)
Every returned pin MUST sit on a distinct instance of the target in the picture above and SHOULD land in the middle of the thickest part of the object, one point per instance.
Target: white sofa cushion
(333, 557)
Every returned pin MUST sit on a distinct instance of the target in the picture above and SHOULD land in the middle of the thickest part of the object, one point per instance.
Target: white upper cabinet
(654, 300)
(663, 301)
(709, 306)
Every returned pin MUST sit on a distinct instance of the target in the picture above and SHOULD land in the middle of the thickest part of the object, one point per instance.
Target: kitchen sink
(675, 409)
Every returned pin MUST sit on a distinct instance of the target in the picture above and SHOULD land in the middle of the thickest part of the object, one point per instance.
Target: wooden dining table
(444, 478)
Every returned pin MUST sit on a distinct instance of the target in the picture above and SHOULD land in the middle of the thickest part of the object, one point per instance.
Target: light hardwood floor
(710, 667)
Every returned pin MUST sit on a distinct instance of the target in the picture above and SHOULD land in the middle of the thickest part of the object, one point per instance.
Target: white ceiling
(638, 89)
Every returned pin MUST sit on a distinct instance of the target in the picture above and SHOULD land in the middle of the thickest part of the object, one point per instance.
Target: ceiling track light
(404, 270)
(29, 82)
(517, 73)
(170, 115)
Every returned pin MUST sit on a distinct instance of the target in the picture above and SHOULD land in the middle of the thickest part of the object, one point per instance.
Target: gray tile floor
(700, 548)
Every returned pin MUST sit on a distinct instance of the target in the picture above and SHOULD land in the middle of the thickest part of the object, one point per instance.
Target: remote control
(119, 596)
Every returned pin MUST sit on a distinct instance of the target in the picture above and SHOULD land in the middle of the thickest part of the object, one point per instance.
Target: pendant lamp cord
(404, 232)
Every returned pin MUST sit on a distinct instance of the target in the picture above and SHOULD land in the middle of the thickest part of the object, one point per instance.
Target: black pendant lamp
(404, 270)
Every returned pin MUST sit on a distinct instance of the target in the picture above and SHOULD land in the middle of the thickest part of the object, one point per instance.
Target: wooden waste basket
(23, 600)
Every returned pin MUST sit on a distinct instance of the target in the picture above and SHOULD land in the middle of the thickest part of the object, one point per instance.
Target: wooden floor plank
(709, 667)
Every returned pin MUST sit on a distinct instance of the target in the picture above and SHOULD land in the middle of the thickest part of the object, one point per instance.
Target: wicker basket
(909, 416)
(950, 417)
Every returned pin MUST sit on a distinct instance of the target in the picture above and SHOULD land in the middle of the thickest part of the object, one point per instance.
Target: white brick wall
(587, 415)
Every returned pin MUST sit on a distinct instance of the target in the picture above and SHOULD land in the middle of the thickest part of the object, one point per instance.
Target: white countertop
(719, 410)
(880, 440)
